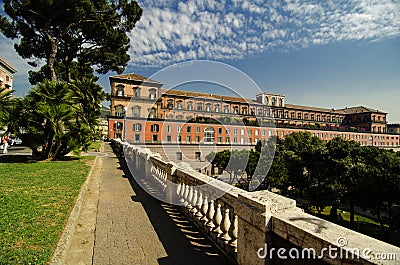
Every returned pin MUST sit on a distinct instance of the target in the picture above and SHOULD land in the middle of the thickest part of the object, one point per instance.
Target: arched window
(273, 101)
(152, 93)
(136, 92)
(170, 104)
(120, 90)
(209, 133)
(119, 110)
(208, 107)
(179, 104)
(281, 102)
(190, 105)
(136, 111)
(199, 106)
(152, 113)
(217, 108)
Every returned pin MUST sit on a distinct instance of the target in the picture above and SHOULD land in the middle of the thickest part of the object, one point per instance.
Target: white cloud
(173, 31)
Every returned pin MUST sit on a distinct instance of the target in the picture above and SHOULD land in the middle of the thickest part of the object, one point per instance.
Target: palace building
(6, 74)
(142, 112)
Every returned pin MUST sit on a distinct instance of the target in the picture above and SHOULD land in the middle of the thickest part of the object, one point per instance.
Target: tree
(92, 33)
(379, 188)
(53, 121)
(5, 101)
(348, 166)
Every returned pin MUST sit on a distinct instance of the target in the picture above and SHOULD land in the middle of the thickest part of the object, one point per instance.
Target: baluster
(199, 204)
(178, 190)
(186, 196)
(204, 209)
(233, 230)
(182, 194)
(194, 202)
(217, 219)
(190, 198)
(225, 224)
(210, 215)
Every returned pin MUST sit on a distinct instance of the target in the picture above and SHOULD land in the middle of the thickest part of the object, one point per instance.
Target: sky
(332, 54)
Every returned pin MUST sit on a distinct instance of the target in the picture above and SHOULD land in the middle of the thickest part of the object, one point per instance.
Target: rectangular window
(235, 131)
(197, 155)
(179, 128)
(188, 139)
(169, 138)
(235, 140)
(242, 132)
(256, 132)
(179, 156)
(137, 127)
(137, 138)
(220, 130)
(189, 129)
(155, 137)
(155, 128)
(197, 129)
(219, 139)
(228, 139)
(169, 128)
(197, 139)
(249, 132)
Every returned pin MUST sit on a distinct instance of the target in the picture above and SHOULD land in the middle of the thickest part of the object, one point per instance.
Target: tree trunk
(351, 210)
(51, 60)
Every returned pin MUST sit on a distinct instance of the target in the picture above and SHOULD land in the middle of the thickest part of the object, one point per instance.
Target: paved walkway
(121, 224)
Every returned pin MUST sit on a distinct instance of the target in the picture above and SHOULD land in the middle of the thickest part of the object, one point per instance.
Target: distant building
(393, 128)
(154, 115)
(6, 74)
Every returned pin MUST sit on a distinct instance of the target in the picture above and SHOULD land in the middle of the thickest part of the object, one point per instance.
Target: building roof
(7, 65)
(183, 93)
(299, 107)
(360, 109)
(135, 77)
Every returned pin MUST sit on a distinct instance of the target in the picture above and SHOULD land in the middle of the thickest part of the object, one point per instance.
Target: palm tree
(47, 120)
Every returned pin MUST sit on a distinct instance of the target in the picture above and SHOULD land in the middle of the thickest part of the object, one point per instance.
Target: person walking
(5, 140)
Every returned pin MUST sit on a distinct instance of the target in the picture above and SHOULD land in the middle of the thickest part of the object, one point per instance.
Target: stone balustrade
(258, 227)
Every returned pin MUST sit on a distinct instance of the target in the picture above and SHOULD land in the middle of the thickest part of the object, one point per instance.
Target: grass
(36, 199)
(364, 225)
(95, 146)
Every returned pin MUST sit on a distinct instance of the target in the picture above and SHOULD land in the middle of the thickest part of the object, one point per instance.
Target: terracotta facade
(155, 115)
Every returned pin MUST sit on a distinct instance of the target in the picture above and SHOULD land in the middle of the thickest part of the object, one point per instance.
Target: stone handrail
(258, 227)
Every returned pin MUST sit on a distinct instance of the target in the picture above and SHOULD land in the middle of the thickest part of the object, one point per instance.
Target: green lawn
(364, 225)
(36, 199)
(95, 146)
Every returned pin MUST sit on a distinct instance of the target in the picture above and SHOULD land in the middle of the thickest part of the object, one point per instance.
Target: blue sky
(320, 53)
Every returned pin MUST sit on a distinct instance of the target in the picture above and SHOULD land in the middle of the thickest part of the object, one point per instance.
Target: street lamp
(125, 110)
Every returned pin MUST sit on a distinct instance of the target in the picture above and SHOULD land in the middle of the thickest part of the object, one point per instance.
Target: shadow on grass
(17, 159)
(30, 159)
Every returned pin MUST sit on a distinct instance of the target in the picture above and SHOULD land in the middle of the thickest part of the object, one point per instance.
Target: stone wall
(253, 227)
